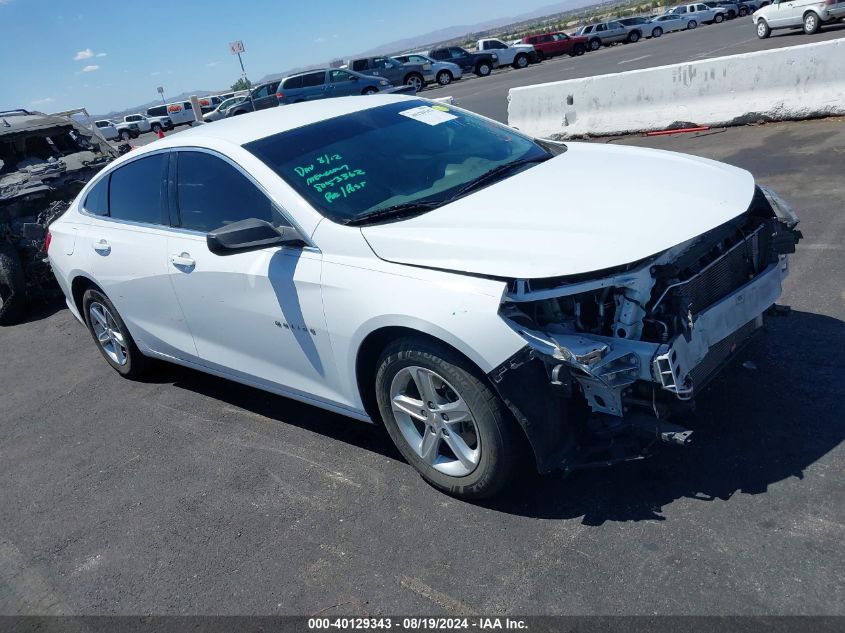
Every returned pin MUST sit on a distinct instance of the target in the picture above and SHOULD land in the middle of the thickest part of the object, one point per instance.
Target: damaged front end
(621, 352)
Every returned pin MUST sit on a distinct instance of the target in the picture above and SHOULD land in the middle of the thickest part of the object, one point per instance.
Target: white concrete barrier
(785, 83)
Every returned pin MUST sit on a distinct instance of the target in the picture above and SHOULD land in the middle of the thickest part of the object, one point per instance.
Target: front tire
(12, 285)
(718, 18)
(743, 12)
(691, 25)
(634, 37)
(811, 23)
(521, 61)
(483, 69)
(763, 30)
(369, 91)
(579, 50)
(444, 419)
(595, 44)
(657, 32)
(111, 335)
(155, 128)
(444, 78)
(125, 135)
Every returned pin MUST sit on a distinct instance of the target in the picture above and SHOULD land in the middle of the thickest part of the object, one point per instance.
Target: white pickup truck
(517, 55)
(149, 123)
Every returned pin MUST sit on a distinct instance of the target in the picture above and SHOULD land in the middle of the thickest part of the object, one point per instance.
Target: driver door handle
(183, 261)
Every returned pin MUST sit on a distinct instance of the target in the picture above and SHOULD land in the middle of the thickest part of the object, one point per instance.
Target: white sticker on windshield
(428, 115)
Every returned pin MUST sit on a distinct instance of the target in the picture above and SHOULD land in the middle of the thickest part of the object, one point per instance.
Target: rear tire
(155, 128)
(125, 135)
(415, 81)
(444, 78)
(657, 32)
(743, 12)
(12, 285)
(483, 69)
(111, 335)
(486, 438)
(763, 30)
(812, 23)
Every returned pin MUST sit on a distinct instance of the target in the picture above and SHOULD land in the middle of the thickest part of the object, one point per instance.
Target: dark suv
(479, 63)
(262, 97)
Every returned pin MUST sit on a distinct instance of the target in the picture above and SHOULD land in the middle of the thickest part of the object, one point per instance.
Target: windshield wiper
(494, 173)
(395, 211)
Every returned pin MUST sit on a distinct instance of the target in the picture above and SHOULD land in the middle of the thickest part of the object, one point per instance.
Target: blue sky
(111, 55)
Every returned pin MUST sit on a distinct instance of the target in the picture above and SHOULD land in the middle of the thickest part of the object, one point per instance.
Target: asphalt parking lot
(189, 494)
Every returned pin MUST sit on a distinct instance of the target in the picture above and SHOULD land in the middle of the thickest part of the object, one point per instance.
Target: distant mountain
(417, 42)
(453, 32)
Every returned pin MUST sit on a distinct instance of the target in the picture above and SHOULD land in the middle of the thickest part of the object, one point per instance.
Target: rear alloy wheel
(415, 81)
(109, 331)
(521, 61)
(595, 44)
(763, 30)
(811, 23)
(156, 128)
(483, 69)
(743, 12)
(445, 420)
(692, 24)
(657, 32)
(444, 77)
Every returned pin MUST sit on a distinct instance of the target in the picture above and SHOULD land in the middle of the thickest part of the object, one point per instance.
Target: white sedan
(667, 24)
(364, 255)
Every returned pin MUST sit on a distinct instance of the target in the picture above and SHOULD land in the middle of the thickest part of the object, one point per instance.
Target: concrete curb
(796, 82)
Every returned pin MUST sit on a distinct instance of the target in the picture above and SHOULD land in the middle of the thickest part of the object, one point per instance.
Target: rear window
(313, 79)
(136, 189)
(157, 111)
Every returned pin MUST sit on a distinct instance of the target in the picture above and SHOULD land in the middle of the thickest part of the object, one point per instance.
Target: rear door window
(292, 83)
(313, 79)
(136, 190)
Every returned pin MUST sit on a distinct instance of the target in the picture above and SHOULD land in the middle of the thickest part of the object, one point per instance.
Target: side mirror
(251, 234)
(354, 77)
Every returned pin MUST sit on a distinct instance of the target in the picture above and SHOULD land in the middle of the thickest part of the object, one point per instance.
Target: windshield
(403, 154)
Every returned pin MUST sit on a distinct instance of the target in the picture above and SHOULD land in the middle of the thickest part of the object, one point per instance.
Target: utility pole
(160, 91)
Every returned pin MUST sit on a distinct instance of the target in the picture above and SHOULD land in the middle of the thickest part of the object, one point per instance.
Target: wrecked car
(45, 160)
(409, 263)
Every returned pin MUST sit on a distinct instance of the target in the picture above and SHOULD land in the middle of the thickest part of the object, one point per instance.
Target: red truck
(552, 44)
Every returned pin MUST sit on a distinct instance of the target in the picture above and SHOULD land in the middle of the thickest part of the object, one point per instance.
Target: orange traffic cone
(160, 133)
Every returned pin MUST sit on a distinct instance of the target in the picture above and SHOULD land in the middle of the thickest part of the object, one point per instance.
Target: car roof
(252, 126)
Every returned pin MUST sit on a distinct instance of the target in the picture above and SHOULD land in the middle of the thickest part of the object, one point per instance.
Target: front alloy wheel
(811, 23)
(763, 30)
(444, 77)
(445, 419)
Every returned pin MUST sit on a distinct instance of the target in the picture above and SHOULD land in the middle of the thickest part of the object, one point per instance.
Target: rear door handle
(102, 247)
(183, 261)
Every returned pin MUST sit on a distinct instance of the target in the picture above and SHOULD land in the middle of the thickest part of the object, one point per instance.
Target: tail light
(280, 95)
(47, 240)
(829, 2)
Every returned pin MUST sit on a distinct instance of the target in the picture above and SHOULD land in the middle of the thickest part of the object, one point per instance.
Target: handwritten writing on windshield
(333, 178)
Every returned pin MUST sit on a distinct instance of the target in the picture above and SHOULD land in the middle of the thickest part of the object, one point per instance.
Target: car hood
(591, 208)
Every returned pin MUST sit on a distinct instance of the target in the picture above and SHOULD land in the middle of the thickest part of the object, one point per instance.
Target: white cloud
(90, 68)
(101, 54)
(320, 40)
(212, 64)
(155, 74)
(43, 101)
(86, 54)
